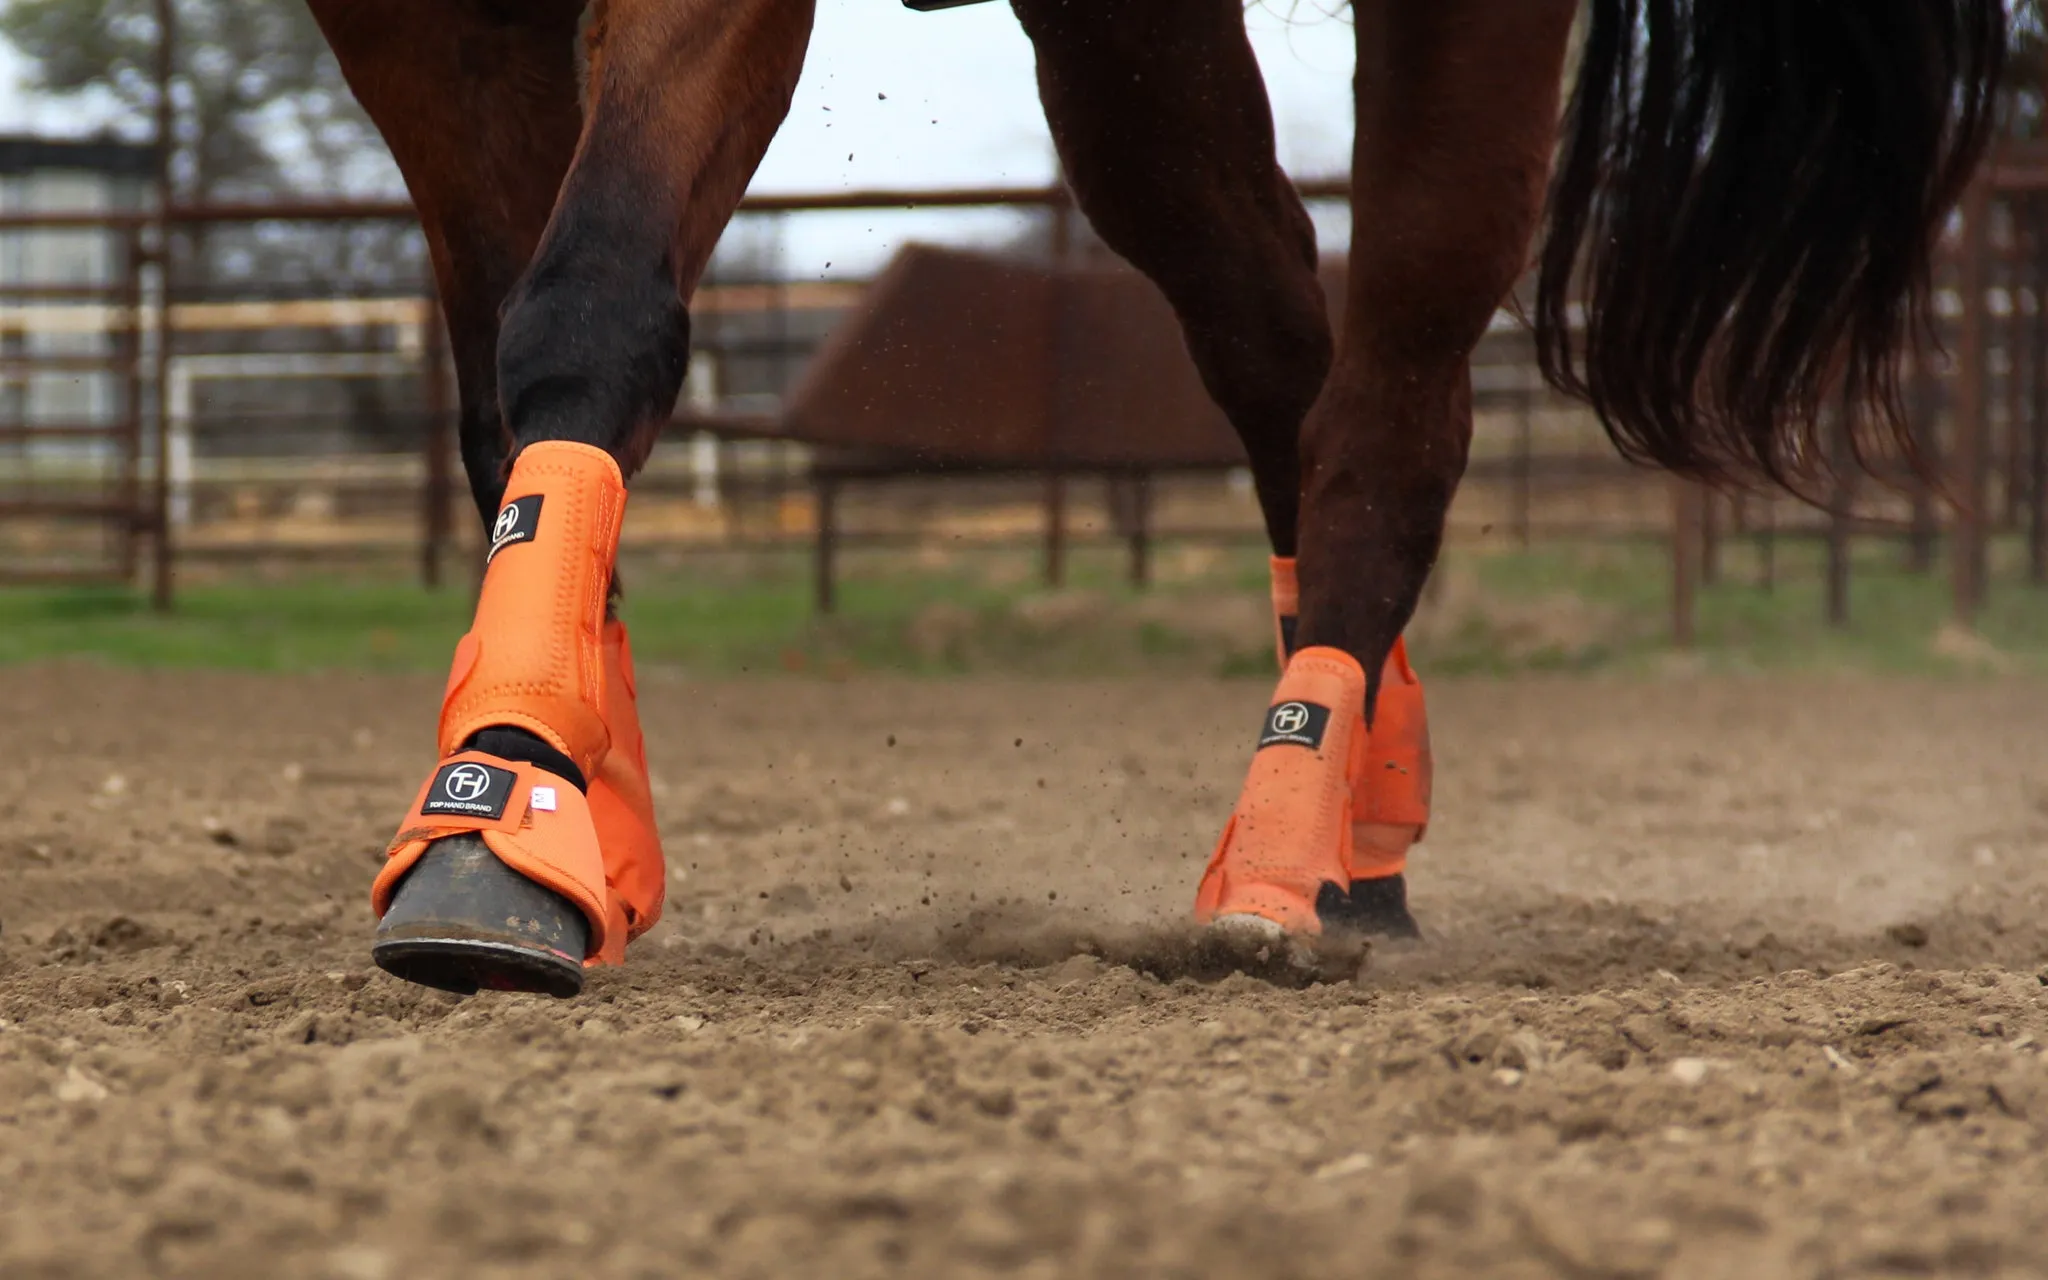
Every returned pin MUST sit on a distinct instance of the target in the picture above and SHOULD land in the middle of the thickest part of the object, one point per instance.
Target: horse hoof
(463, 921)
(1264, 949)
(1379, 909)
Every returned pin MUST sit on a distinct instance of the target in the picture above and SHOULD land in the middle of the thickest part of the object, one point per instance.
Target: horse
(1740, 197)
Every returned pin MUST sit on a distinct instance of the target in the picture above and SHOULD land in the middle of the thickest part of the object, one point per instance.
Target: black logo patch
(470, 790)
(518, 521)
(1295, 724)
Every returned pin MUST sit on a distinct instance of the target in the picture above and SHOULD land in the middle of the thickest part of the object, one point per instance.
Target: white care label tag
(544, 799)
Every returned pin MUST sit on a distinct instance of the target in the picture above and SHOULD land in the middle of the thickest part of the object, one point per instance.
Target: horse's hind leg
(1457, 108)
(1162, 125)
(1162, 122)
(541, 771)
(1457, 111)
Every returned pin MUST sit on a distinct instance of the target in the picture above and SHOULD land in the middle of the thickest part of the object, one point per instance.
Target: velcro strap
(472, 791)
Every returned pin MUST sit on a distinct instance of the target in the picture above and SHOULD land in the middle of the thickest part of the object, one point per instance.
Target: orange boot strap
(536, 823)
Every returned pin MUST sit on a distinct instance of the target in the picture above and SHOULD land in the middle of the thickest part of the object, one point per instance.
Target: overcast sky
(960, 109)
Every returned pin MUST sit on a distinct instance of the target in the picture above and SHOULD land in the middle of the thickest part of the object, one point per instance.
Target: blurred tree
(260, 102)
(261, 111)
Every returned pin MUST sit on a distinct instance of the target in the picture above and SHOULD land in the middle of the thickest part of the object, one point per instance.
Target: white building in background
(51, 175)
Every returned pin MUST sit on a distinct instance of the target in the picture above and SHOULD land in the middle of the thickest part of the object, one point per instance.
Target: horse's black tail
(1748, 197)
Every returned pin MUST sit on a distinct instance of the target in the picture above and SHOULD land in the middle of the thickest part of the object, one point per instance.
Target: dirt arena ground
(1724, 978)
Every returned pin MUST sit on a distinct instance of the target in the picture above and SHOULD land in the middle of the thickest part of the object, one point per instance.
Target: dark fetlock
(1376, 908)
(1379, 909)
(463, 921)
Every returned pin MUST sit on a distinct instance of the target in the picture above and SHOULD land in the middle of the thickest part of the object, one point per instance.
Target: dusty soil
(1724, 979)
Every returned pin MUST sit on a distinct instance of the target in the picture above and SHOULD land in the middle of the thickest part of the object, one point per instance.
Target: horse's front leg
(531, 850)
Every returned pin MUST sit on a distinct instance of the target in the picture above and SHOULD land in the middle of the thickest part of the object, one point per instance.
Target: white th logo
(508, 520)
(466, 782)
(1290, 717)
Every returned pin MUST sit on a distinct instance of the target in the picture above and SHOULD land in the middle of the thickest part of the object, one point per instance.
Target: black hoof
(1373, 909)
(465, 922)
(1379, 909)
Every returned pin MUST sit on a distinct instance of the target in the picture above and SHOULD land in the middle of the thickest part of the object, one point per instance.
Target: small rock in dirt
(1907, 934)
(1476, 1048)
(359, 1263)
(1750, 938)
(76, 1086)
(122, 935)
(1344, 1167)
(1582, 1126)
(1689, 1071)
(998, 1102)
(1451, 1197)
(1599, 1007)
(1074, 969)
(687, 1022)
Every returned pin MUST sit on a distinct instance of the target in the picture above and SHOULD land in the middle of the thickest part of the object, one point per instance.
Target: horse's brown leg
(1457, 115)
(1162, 124)
(1457, 105)
(479, 108)
(683, 97)
(482, 116)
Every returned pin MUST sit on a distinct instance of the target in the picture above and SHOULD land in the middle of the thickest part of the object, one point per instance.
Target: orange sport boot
(621, 802)
(500, 877)
(1283, 865)
(1390, 800)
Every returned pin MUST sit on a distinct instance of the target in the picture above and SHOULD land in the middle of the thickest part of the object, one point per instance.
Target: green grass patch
(1570, 608)
(1608, 606)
